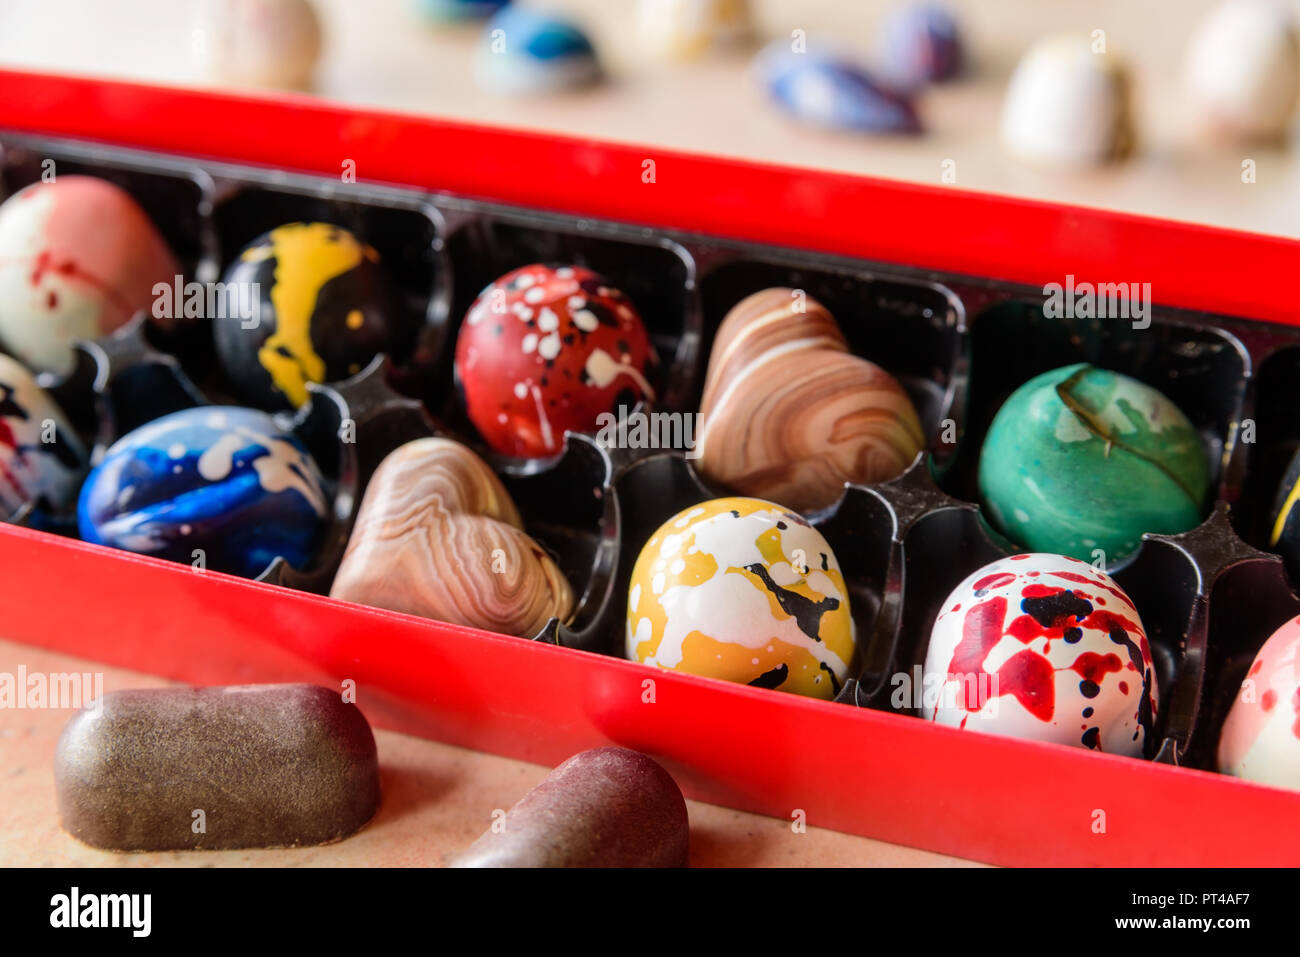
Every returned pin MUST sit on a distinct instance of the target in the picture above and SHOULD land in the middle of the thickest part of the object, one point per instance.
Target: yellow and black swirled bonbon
(306, 302)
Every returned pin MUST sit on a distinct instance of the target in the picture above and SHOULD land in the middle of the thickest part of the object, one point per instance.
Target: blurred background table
(379, 53)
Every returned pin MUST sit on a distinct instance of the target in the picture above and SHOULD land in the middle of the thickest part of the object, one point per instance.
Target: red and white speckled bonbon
(546, 349)
(1045, 647)
(1261, 736)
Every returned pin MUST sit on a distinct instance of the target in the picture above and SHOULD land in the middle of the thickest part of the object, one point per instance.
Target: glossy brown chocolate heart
(790, 415)
(437, 535)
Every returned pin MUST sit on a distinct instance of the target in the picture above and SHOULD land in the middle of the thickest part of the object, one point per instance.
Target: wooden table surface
(436, 800)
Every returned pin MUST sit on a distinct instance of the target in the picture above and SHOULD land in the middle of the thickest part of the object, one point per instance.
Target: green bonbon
(1082, 459)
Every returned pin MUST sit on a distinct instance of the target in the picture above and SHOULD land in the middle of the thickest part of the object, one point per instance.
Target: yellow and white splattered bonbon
(744, 590)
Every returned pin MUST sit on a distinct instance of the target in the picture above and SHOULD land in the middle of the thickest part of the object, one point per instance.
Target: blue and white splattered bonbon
(525, 51)
(222, 480)
(822, 89)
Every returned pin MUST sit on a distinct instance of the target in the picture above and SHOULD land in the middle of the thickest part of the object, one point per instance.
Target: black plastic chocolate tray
(960, 345)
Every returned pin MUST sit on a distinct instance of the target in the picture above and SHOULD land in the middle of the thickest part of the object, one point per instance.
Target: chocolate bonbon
(1068, 105)
(307, 302)
(744, 590)
(828, 91)
(455, 11)
(607, 807)
(1243, 69)
(1043, 647)
(920, 43)
(78, 258)
(526, 51)
(1260, 740)
(790, 414)
(681, 29)
(437, 535)
(1284, 534)
(1082, 461)
(41, 458)
(546, 349)
(215, 768)
(273, 43)
(218, 486)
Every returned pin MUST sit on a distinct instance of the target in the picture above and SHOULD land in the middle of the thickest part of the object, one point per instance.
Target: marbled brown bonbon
(267, 765)
(438, 535)
(607, 807)
(790, 415)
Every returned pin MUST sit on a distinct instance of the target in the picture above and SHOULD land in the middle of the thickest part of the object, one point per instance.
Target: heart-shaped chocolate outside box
(790, 414)
(438, 535)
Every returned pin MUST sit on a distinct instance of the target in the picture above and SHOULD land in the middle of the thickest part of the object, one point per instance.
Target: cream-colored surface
(377, 53)
(436, 800)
